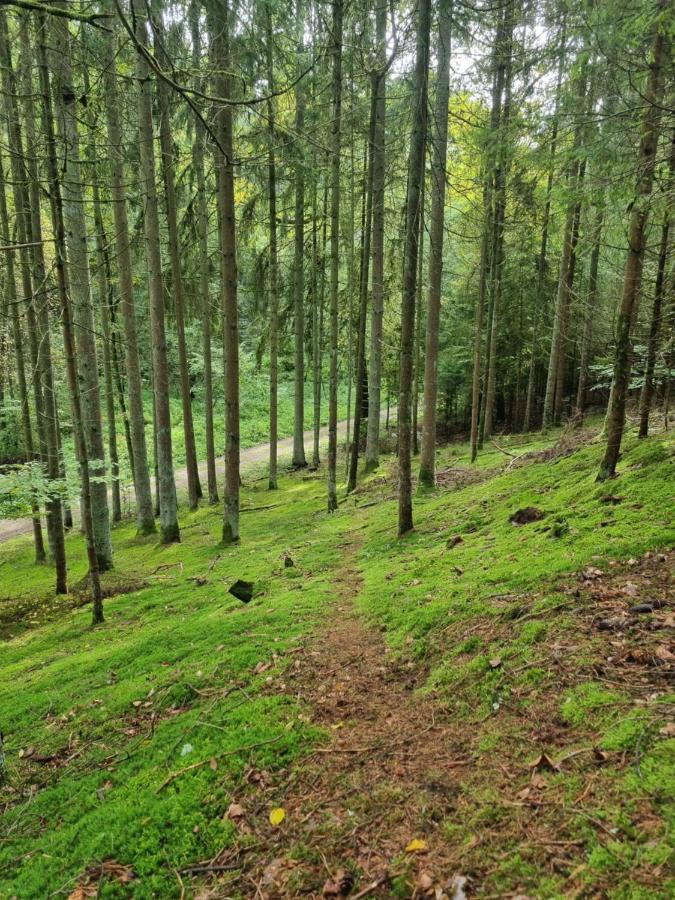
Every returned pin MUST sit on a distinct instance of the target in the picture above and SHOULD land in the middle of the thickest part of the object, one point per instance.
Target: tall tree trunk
(479, 314)
(377, 303)
(419, 289)
(79, 276)
(220, 38)
(168, 506)
(334, 249)
(556, 365)
(202, 224)
(316, 376)
(567, 300)
(486, 253)
(415, 160)
(145, 520)
(496, 284)
(543, 250)
(13, 306)
(439, 151)
(299, 459)
(318, 334)
(104, 273)
(589, 314)
(21, 216)
(363, 295)
(169, 173)
(53, 505)
(636, 246)
(647, 392)
(104, 288)
(274, 271)
(74, 380)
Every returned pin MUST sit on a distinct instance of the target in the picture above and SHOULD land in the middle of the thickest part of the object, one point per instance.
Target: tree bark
(556, 363)
(636, 247)
(502, 159)
(299, 459)
(21, 215)
(201, 213)
(169, 172)
(363, 297)
(104, 286)
(220, 38)
(377, 303)
(647, 392)
(334, 249)
(79, 276)
(419, 289)
(53, 505)
(22, 385)
(589, 315)
(486, 253)
(168, 506)
(543, 250)
(145, 520)
(415, 160)
(439, 150)
(317, 330)
(68, 323)
(274, 264)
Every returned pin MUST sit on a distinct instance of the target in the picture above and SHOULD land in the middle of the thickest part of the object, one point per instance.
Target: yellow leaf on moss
(416, 846)
(277, 816)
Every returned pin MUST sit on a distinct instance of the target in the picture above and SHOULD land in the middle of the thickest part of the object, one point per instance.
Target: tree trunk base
(169, 534)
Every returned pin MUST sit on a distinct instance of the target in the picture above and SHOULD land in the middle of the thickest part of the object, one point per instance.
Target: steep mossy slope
(126, 742)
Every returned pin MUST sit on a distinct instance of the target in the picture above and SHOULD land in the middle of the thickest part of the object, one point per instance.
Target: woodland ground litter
(428, 715)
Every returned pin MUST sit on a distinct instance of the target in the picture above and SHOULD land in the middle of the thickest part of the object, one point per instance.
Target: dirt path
(386, 777)
(11, 528)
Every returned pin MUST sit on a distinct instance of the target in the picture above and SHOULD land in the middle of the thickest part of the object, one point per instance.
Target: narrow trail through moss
(385, 775)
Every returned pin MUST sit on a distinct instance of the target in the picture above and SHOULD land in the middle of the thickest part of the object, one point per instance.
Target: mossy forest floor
(481, 709)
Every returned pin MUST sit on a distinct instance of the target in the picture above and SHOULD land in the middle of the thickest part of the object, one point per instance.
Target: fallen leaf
(417, 845)
(668, 730)
(213, 764)
(235, 811)
(663, 653)
(544, 763)
(340, 885)
(496, 662)
(277, 816)
(425, 882)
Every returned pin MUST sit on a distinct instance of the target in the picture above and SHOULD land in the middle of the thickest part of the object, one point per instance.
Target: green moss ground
(170, 679)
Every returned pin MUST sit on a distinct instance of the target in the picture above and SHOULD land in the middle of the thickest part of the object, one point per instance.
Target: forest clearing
(337, 468)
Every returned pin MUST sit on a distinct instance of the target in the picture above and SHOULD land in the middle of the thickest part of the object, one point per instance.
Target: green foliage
(12, 447)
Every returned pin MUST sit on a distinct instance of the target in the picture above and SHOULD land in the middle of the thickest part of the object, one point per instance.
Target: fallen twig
(344, 749)
(214, 561)
(167, 566)
(504, 450)
(207, 869)
(205, 762)
(373, 886)
(546, 610)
